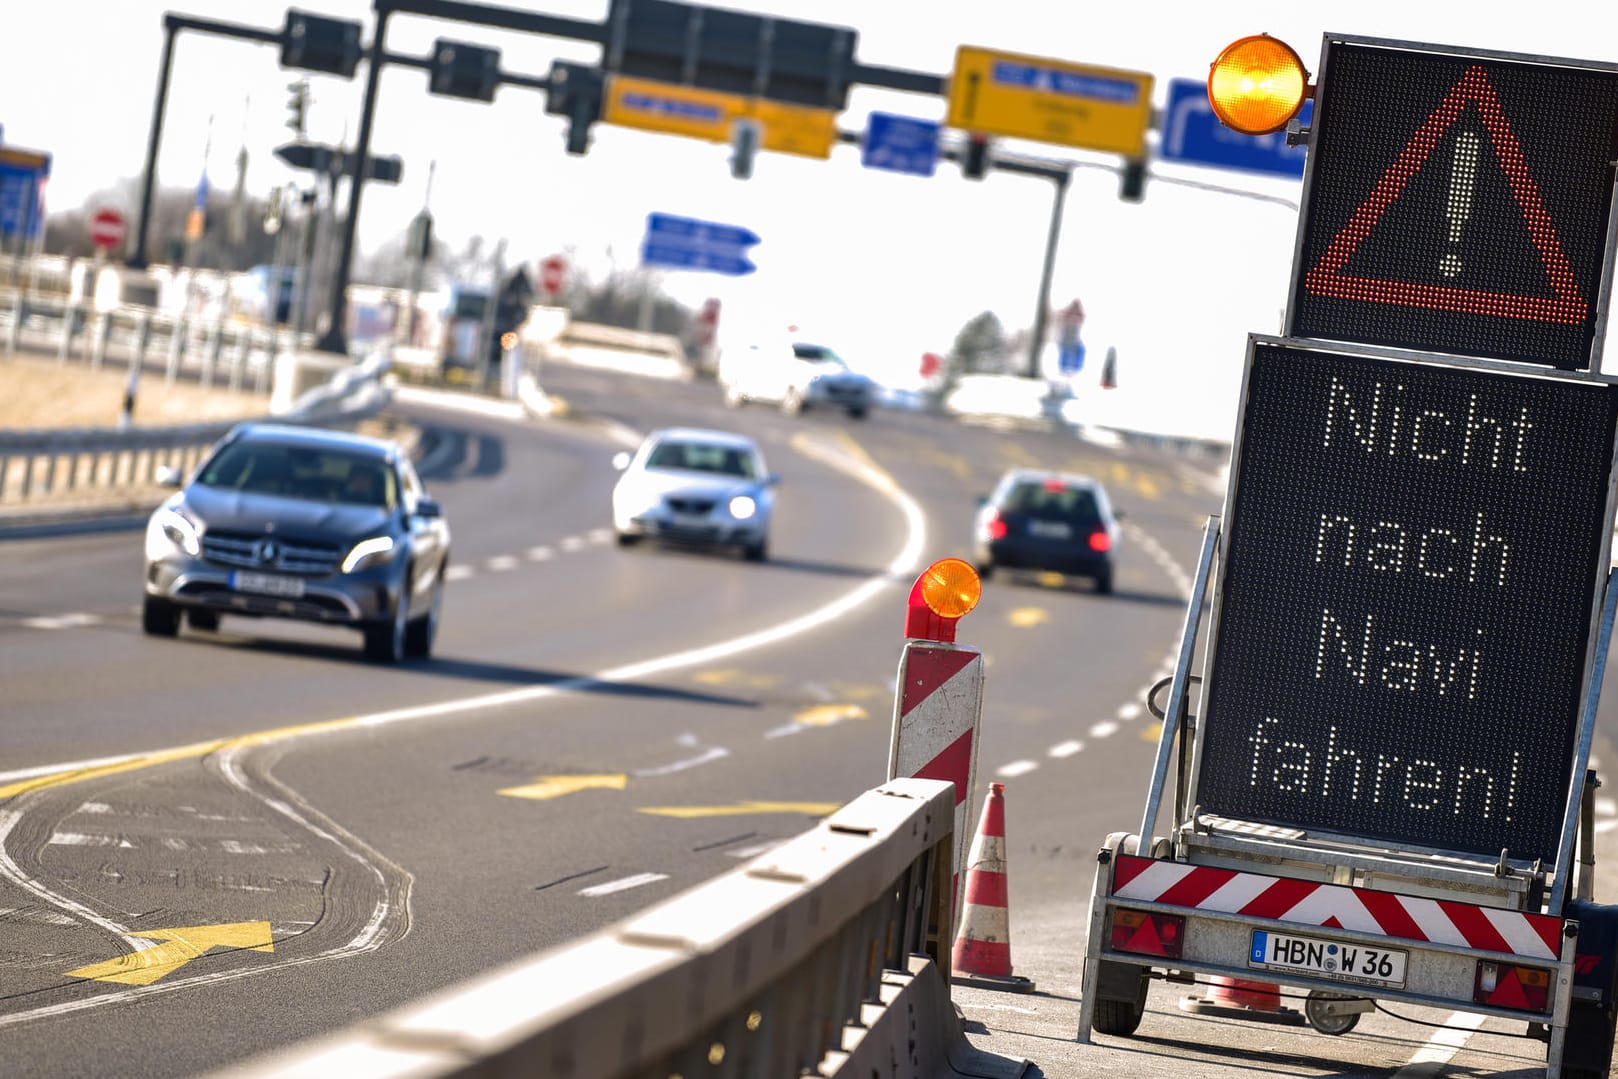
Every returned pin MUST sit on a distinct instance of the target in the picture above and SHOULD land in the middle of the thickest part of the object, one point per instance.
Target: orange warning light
(945, 592)
(1257, 84)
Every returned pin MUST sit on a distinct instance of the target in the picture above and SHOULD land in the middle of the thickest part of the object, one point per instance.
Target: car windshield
(819, 354)
(303, 472)
(703, 457)
(1054, 502)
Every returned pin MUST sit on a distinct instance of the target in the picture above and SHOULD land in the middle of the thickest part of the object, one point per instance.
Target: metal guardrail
(47, 464)
(796, 964)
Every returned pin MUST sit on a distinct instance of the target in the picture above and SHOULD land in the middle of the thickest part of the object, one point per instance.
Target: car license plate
(1050, 529)
(267, 584)
(1338, 960)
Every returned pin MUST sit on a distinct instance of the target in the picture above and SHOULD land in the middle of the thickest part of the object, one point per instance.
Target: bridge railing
(819, 958)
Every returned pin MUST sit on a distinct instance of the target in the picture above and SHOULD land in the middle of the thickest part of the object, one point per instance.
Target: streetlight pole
(1061, 178)
(137, 256)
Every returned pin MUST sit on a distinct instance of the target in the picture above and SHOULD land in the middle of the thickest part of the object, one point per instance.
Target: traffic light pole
(335, 337)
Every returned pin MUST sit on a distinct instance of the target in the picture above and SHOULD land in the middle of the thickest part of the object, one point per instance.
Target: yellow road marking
(812, 809)
(1026, 617)
(1147, 487)
(547, 787)
(1152, 732)
(179, 947)
(824, 715)
(730, 676)
(1050, 580)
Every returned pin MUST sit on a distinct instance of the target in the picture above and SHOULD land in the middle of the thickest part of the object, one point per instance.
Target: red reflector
(1100, 541)
(1148, 934)
(1499, 985)
(997, 527)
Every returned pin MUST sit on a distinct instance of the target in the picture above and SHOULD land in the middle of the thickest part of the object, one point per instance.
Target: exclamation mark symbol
(1459, 206)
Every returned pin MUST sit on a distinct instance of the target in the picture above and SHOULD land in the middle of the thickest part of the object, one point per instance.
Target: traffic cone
(1241, 998)
(982, 954)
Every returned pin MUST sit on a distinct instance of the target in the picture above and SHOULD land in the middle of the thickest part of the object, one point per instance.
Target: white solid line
(717, 753)
(1065, 749)
(623, 885)
(1442, 1045)
(1016, 768)
(1104, 729)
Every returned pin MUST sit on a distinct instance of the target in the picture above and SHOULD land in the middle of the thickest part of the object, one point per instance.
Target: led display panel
(1412, 555)
(1457, 203)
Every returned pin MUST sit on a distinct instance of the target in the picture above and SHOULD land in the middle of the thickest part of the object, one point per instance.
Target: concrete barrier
(827, 956)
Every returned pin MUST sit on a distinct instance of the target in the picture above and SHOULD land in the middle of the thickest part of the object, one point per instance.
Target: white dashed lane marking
(62, 621)
(1016, 768)
(501, 563)
(624, 884)
(1065, 749)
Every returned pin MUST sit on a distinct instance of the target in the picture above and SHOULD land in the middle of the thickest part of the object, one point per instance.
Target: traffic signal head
(1257, 84)
(316, 43)
(1132, 183)
(975, 157)
(575, 91)
(744, 140)
(462, 70)
(298, 107)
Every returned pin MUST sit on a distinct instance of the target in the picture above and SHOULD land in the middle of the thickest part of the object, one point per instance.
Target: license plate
(1050, 529)
(267, 584)
(1338, 960)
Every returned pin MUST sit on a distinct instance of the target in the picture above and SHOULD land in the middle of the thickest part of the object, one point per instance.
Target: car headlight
(369, 552)
(176, 529)
(743, 507)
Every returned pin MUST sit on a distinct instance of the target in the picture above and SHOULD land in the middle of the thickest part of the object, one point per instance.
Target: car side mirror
(167, 476)
(428, 507)
(620, 460)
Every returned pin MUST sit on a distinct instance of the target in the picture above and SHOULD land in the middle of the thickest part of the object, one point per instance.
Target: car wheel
(757, 552)
(1104, 582)
(985, 570)
(627, 539)
(856, 413)
(199, 618)
(159, 617)
(420, 632)
(385, 637)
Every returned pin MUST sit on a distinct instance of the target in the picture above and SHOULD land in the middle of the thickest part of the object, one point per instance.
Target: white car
(796, 375)
(694, 486)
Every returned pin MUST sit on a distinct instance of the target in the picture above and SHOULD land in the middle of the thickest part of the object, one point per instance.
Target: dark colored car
(1051, 521)
(305, 524)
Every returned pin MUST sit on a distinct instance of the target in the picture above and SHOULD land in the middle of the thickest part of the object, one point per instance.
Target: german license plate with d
(1342, 961)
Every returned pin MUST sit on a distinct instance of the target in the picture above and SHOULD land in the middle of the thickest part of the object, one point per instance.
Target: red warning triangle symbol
(1331, 923)
(1509, 994)
(1328, 276)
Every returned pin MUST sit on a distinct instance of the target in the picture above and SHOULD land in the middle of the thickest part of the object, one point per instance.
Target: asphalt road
(402, 829)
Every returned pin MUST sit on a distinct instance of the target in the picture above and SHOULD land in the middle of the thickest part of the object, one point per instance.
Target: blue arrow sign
(1193, 135)
(667, 228)
(900, 144)
(680, 256)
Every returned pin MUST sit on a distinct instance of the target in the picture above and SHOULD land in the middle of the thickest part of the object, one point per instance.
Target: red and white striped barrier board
(935, 724)
(1335, 906)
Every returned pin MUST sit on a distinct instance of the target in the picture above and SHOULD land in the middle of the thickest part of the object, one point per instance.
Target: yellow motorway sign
(1028, 97)
(708, 114)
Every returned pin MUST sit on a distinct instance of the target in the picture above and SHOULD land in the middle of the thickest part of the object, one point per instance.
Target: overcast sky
(885, 265)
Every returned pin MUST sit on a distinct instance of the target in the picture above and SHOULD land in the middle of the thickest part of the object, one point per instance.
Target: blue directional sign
(21, 173)
(686, 243)
(900, 144)
(1193, 135)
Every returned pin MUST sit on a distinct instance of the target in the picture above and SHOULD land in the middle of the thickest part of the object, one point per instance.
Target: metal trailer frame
(1514, 885)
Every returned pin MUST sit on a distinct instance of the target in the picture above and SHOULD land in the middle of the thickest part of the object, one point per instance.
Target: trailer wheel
(1315, 1010)
(1116, 1016)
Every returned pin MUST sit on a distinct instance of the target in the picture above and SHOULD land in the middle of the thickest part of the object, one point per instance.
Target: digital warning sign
(1412, 557)
(1457, 203)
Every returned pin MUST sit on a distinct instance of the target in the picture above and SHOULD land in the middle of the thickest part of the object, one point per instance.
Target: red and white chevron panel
(1335, 906)
(935, 724)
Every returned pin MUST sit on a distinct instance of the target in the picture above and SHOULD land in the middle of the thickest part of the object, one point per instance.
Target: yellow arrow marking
(1152, 732)
(1027, 617)
(179, 947)
(1148, 487)
(813, 809)
(556, 786)
(824, 715)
